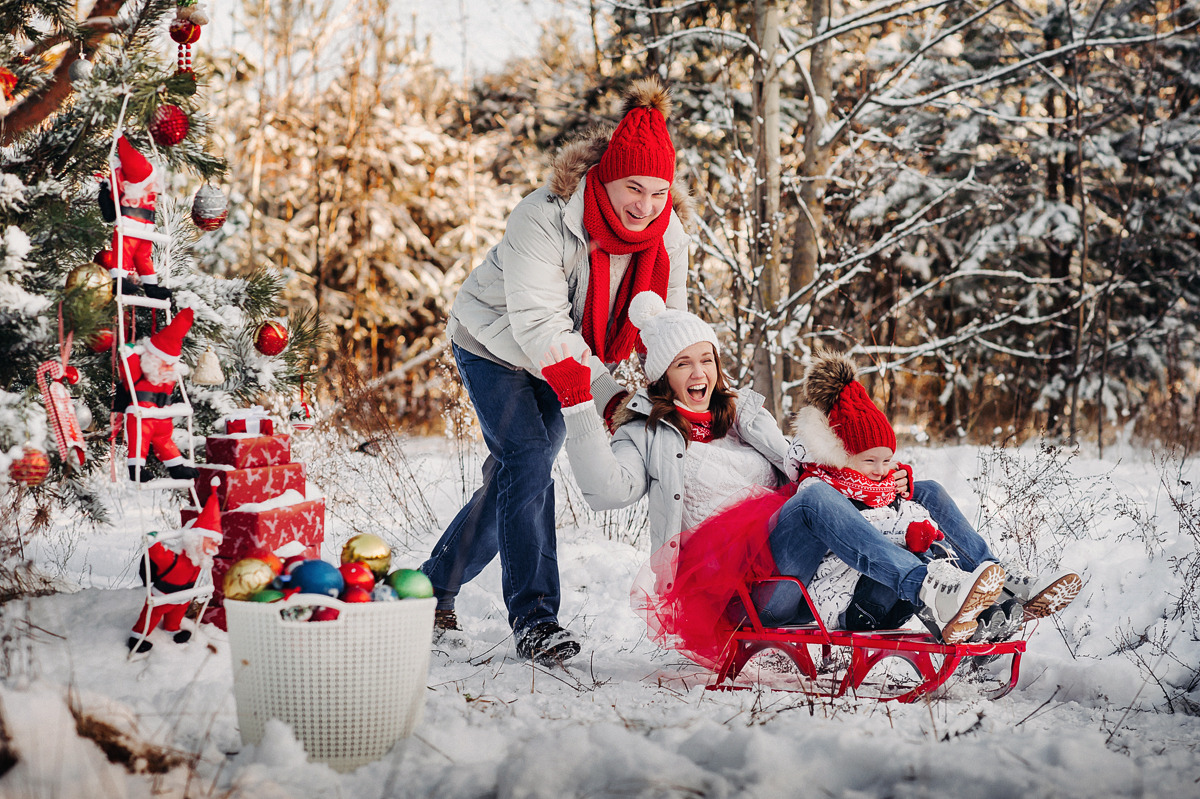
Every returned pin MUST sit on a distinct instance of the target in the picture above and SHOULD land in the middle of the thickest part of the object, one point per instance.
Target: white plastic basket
(349, 687)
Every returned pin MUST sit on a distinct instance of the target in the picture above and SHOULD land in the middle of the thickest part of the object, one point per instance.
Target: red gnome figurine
(153, 369)
(176, 562)
(137, 194)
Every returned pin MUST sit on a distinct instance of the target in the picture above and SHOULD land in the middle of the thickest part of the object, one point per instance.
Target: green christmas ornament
(267, 595)
(410, 584)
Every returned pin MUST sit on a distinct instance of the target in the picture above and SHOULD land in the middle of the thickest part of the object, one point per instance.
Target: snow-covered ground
(1091, 717)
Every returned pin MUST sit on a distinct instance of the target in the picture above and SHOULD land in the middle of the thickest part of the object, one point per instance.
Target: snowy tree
(60, 124)
(359, 177)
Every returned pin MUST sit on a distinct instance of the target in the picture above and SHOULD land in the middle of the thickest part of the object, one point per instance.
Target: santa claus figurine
(153, 369)
(176, 561)
(137, 194)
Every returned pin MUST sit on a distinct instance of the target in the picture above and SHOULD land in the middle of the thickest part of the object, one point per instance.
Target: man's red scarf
(649, 270)
(855, 484)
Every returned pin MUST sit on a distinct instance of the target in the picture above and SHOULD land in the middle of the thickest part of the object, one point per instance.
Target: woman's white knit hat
(666, 332)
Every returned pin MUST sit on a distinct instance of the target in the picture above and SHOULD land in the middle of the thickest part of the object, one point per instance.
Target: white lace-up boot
(1041, 594)
(954, 598)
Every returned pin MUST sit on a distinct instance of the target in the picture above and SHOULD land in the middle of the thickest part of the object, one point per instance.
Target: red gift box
(258, 426)
(302, 521)
(244, 451)
(240, 486)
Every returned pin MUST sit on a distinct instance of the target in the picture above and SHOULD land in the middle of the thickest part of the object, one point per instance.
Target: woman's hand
(571, 379)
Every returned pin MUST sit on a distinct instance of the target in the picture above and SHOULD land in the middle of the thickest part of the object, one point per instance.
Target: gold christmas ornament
(208, 370)
(371, 550)
(92, 281)
(246, 578)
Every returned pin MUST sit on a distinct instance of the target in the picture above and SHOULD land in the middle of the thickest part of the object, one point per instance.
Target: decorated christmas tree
(102, 132)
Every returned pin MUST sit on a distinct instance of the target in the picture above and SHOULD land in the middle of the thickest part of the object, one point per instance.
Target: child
(851, 446)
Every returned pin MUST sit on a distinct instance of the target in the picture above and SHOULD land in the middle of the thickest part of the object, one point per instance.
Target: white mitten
(796, 455)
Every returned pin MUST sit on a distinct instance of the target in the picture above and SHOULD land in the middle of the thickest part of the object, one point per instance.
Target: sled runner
(837, 663)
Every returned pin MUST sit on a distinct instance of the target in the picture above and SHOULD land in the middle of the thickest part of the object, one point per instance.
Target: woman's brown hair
(722, 404)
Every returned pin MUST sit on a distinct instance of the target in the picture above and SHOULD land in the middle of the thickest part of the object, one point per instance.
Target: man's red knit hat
(168, 342)
(641, 144)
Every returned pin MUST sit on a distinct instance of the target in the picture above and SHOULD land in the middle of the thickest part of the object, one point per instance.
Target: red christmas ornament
(268, 557)
(358, 574)
(102, 341)
(271, 338)
(184, 31)
(31, 468)
(170, 125)
(325, 614)
(355, 594)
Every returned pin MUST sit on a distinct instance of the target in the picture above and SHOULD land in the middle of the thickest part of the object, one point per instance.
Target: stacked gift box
(262, 495)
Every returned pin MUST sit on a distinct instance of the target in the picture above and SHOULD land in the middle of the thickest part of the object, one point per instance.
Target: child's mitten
(920, 535)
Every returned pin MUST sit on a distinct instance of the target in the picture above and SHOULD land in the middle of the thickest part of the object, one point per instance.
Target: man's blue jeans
(512, 513)
(819, 519)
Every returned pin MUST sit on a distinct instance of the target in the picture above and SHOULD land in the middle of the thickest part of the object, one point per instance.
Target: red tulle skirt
(686, 591)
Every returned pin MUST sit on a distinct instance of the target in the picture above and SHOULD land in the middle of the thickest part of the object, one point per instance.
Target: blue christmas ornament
(282, 582)
(318, 577)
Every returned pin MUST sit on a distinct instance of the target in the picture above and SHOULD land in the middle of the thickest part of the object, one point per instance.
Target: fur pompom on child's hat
(665, 331)
(641, 144)
(840, 420)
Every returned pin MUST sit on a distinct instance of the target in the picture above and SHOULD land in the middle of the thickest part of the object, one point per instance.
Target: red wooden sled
(847, 661)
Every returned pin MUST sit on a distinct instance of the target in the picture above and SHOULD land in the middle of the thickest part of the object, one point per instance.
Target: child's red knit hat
(641, 144)
(840, 420)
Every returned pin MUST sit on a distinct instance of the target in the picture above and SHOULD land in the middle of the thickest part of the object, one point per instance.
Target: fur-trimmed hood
(576, 157)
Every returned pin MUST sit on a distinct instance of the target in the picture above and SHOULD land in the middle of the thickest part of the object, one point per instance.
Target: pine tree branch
(35, 108)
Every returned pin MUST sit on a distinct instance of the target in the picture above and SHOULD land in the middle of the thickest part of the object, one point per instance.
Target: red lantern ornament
(184, 31)
(101, 341)
(31, 468)
(170, 125)
(271, 338)
(210, 208)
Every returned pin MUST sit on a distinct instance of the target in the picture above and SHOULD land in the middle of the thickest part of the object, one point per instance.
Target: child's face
(876, 463)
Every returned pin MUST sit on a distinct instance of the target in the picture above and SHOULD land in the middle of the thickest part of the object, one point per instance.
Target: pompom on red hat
(167, 343)
(840, 420)
(641, 144)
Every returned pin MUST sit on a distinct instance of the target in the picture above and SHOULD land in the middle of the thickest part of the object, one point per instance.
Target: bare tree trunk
(768, 370)
(806, 238)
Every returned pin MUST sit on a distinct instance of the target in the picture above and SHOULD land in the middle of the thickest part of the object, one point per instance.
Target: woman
(573, 255)
(711, 459)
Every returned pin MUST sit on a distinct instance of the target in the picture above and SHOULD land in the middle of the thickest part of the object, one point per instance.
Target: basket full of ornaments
(341, 654)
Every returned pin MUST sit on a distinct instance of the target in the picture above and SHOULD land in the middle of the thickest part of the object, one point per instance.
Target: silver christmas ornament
(210, 208)
(80, 70)
(83, 414)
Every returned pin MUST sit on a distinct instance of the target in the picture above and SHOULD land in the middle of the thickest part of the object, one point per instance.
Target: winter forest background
(991, 204)
(994, 204)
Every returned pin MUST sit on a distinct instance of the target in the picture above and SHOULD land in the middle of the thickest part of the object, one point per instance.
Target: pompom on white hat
(666, 332)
